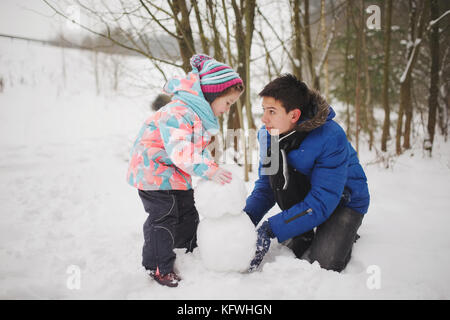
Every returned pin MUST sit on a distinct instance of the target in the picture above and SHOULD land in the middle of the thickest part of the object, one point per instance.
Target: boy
(319, 182)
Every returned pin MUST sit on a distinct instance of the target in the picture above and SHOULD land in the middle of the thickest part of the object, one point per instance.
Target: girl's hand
(222, 176)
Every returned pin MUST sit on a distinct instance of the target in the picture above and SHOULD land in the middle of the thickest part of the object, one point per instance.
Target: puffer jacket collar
(321, 113)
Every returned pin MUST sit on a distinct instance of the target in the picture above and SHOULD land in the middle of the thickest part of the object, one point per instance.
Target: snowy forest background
(71, 105)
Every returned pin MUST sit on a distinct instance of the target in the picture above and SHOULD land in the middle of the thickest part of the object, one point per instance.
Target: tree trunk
(96, 72)
(415, 53)
(405, 99)
(444, 107)
(386, 68)
(218, 53)
(116, 65)
(369, 121)
(183, 30)
(323, 29)
(346, 72)
(297, 36)
(244, 12)
(434, 73)
(358, 74)
(203, 38)
(309, 49)
(250, 6)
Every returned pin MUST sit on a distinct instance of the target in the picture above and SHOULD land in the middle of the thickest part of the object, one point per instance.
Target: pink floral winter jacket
(171, 145)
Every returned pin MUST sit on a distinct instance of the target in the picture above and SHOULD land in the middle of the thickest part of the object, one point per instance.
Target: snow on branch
(411, 58)
(318, 67)
(433, 22)
(325, 54)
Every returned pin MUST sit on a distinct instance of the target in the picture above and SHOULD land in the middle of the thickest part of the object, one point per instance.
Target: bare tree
(203, 38)
(367, 107)
(297, 39)
(346, 70)
(323, 30)
(212, 9)
(386, 70)
(244, 12)
(434, 76)
(406, 78)
(183, 30)
(308, 45)
(360, 27)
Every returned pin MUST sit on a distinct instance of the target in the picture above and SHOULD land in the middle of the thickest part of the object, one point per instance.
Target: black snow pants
(332, 242)
(171, 223)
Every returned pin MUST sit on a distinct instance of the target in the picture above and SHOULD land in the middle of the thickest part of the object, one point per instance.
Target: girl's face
(275, 117)
(222, 104)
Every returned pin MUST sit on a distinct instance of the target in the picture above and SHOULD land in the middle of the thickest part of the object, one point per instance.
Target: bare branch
(109, 37)
(282, 42)
(158, 22)
(433, 22)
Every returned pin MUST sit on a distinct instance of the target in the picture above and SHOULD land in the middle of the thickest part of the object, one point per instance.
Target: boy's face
(222, 104)
(275, 117)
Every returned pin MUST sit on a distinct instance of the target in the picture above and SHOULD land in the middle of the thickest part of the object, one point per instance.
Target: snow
(433, 22)
(71, 227)
(226, 235)
(230, 196)
(227, 243)
(410, 60)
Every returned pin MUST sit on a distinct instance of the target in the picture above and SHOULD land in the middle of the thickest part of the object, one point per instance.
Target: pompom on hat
(215, 77)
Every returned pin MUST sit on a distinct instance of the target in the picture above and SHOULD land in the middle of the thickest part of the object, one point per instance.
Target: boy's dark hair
(293, 93)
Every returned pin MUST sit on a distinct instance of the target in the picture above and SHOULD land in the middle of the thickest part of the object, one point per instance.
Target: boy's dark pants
(331, 245)
(171, 223)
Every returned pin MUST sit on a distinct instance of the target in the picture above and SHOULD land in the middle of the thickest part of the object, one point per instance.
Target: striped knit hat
(215, 76)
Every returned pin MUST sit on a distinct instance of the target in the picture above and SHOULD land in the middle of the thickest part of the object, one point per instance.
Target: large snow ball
(227, 243)
(213, 200)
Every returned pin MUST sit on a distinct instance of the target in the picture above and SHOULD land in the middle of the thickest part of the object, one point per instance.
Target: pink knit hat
(215, 77)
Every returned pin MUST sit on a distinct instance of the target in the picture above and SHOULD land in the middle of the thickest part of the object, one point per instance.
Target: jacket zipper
(301, 214)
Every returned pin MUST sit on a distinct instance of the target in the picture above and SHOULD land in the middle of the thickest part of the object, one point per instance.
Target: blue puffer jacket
(327, 158)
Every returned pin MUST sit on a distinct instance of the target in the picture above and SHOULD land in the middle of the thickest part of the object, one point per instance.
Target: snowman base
(227, 243)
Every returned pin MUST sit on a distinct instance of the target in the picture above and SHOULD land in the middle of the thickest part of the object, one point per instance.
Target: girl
(170, 147)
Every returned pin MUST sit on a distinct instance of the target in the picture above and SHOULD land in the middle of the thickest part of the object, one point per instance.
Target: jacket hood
(187, 89)
(321, 113)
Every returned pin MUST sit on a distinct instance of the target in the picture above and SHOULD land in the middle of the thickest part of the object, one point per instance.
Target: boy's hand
(222, 176)
(265, 235)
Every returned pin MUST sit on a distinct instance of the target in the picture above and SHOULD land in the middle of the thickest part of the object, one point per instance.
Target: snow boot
(170, 279)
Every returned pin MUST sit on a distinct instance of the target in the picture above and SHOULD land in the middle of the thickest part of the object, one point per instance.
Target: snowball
(213, 200)
(227, 243)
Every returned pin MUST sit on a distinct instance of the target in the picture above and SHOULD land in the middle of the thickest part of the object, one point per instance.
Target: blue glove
(262, 245)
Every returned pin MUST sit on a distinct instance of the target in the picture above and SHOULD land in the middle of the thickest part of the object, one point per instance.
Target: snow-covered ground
(71, 227)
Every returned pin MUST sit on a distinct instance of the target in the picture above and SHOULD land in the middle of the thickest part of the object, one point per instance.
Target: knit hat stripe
(215, 69)
(209, 64)
(220, 79)
(220, 87)
(215, 75)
